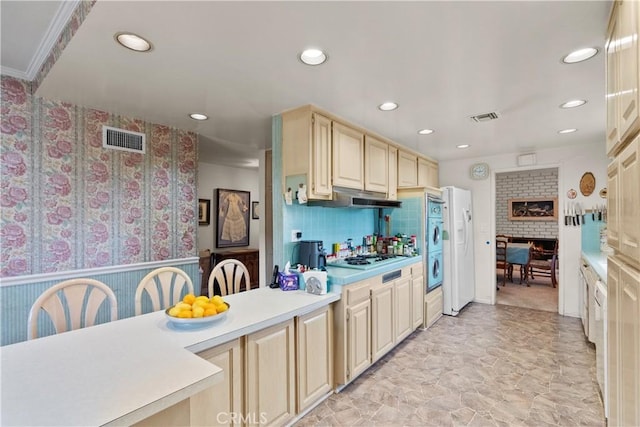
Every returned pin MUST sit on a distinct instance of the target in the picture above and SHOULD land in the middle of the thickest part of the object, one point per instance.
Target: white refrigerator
(458, 285)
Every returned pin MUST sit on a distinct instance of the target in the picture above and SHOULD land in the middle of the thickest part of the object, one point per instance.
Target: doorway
(520, 289)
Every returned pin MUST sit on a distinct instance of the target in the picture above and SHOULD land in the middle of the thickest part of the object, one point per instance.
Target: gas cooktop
(365, 262)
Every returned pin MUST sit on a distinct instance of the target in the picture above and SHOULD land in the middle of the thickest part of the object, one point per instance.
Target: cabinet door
(320, 163)
(393, 174)
(222, 403)
(613, 205)
(270, 375)
(417, 301)
(433, 304)
(403, 320)
(613, 339)
(612, 77)
(433, 179)
(629, 71)
(629, 201)
(407, 169)
(382, 322)
(423, 172)
(348, 157)
(376, 165)
(315, 356)
(359, 338)
(629, 347)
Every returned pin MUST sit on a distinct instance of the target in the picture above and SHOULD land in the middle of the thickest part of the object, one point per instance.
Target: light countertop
(124, 371)
(339, 276)
(598, 261)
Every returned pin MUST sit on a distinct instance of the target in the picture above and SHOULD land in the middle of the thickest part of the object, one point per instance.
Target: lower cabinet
(382, 313)
(372, 317)
(433, 306)
(270, 375)
(418, 287)
(403, 293)
(222, 403)
(314, 351)
(623, 302)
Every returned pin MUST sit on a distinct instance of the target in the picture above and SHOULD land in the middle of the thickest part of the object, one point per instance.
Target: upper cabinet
(623, 75)
(415, 171)
(306, 150)
(427, 173)
(407, 169)
(323, 151)
(376, 166)
(348, 157)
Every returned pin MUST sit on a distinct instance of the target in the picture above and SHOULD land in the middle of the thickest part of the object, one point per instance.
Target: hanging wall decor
(587, 184)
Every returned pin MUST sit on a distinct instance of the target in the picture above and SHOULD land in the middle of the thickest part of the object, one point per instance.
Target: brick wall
(516, 185)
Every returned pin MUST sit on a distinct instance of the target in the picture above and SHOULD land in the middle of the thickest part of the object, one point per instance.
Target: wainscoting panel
(18, 297)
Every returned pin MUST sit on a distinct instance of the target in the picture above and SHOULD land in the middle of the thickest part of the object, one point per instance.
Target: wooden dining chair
(501, 259)
(72, 304)
(544, 263)
(229, 276)
(164, 286)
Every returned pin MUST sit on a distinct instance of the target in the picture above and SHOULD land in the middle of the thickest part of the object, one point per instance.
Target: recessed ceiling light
(425, 131)
(133, 42)
(573, 103)
(580, 55)
(568, 130)
(388, 106)
(463, 146)
(198, 116)
(313, 56)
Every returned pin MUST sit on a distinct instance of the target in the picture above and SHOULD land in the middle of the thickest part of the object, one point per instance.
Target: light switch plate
(296, 235)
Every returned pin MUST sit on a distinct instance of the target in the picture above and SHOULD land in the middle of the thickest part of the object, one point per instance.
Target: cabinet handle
(630, 108)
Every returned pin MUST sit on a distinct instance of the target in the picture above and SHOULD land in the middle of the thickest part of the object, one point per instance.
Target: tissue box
(288, 282)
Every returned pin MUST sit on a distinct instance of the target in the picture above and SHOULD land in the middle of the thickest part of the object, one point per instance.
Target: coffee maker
(311, 253)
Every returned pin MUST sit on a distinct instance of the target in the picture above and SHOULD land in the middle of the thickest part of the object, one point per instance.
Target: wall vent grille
(126, 140)
(485, 117)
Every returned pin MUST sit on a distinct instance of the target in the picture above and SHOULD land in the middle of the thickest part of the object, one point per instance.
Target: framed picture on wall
(204, 212)
(533, 209)
(232, 213)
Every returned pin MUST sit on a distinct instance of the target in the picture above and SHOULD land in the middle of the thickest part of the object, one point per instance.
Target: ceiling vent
(485, 117)
(126, 140)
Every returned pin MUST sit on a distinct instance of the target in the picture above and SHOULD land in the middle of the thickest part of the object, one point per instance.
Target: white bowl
(195, 321)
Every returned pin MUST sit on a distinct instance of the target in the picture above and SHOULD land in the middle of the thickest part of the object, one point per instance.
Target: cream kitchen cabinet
(613, 202)
(222, 403)
(407, 169)
(393, 173)
(348, 157)
(623, 75)
(352, 339)
(417, 288)
(314, 342)
(427, 173)
(403, 293)
(434, 301)
(270, 390)
(623, 292)
(376, 165)
(623, 232)
(629, 201)
(382, 319)
(307, 150)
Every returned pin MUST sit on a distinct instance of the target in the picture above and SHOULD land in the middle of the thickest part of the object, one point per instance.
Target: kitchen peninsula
(123, 372)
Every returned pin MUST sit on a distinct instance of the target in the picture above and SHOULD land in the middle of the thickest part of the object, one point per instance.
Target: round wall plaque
(587, 184)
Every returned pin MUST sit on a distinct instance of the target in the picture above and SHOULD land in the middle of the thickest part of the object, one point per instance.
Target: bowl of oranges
(193, 310)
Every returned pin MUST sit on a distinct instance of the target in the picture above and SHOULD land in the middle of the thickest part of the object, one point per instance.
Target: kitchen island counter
(124, 371)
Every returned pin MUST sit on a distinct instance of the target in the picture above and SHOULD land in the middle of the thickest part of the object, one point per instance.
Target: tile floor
(490, 366)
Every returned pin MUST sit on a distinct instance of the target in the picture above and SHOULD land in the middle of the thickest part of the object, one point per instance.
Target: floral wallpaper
(67, 203)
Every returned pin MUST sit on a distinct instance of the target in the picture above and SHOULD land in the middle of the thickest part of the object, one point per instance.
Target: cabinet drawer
(416, 270)
(357, 293)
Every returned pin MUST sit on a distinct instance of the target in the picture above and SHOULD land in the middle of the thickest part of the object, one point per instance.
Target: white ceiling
(237, 62)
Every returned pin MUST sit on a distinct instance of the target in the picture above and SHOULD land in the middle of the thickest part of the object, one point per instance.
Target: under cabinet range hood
(349, 198)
